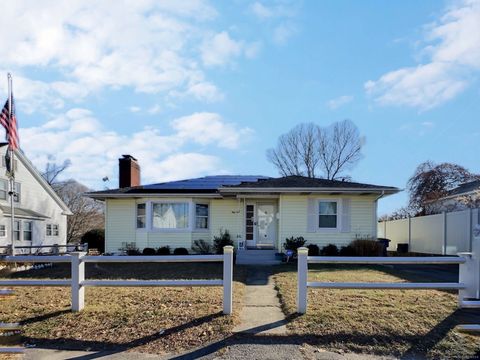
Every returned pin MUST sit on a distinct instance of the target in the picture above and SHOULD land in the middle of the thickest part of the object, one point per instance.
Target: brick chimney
(128, 171)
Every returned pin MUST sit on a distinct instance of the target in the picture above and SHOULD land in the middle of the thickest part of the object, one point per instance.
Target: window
(327, 218)
(3, 231)
(3, 189)
(27, 230)
(170, 215)
(16, 230)
(52, 230)
(141, 216)
(201, 216)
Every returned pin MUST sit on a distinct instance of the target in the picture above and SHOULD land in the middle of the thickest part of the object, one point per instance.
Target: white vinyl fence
(78, 281)
(468, 285)
(440, 234)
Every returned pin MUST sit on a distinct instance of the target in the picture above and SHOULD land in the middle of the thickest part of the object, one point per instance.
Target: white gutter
(310, 189)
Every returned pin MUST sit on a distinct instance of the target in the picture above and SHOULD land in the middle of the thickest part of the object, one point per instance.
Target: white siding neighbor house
(464, 196)
(258, 211)
(40, 215)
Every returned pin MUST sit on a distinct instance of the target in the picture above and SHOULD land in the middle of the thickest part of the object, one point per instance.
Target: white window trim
(24, 231)
(194, 220)
(6, 190)
(5, 227)
(191, 215)
(52, 234)
(144, 229)
(339, 216)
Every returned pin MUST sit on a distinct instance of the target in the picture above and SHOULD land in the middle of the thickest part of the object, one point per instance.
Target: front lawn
(154, 320)
(385, 322)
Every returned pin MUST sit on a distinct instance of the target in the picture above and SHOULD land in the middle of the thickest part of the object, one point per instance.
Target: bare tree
(87, 213)
(430, 182)
(310, 150)
(53, 170)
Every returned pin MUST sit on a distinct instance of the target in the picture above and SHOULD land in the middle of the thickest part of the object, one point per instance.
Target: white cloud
(283, 32)
(134, 109)
(94, 150)
(221, 49)
(275, 10)
(339, 101)
(155, 109)
(150, 46)
(453, 48)
(209, 128)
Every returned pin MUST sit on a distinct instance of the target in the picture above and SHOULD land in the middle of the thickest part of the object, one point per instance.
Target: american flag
(10, 125)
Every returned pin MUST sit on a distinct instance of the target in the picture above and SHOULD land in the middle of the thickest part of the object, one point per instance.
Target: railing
(78, 282)
(468, 285)
(54, 248)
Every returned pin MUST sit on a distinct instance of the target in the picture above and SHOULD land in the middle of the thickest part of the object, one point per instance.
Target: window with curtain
(327, 218)
(201, 216)
(170, 215)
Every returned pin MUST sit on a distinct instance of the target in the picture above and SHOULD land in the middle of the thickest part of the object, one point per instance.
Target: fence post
(227, 279)
(302, 280)
(469, 273)
(78, 276)
(444, 219)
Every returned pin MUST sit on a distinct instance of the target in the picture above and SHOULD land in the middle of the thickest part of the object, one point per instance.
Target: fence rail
(54, 248)
(468, 285)
(78, 281)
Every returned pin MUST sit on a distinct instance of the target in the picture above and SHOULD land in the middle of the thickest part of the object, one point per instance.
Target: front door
(266, 225)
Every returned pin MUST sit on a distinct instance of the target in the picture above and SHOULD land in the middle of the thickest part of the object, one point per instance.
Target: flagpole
(12, 168)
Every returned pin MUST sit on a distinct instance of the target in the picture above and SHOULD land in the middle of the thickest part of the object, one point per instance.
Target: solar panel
(206, 183)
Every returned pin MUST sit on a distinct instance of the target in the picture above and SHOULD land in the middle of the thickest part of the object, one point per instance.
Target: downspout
(376, 214)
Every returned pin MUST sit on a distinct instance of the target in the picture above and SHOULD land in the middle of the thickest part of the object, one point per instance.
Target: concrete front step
(257, 257)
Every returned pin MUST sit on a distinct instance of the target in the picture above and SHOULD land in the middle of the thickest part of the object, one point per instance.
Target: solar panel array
(206, 183)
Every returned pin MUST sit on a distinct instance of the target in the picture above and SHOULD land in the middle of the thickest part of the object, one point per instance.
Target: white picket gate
(78, 281)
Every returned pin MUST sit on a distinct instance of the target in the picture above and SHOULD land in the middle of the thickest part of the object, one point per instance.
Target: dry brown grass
(154, 320)
(393, 322)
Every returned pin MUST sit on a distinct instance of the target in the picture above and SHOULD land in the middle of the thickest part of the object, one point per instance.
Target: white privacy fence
(78, 281)
(468, 285)
(440, 234)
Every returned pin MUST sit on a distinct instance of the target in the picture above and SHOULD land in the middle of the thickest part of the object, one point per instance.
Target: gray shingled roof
(306, 182)
(228, 183)
(465, 188)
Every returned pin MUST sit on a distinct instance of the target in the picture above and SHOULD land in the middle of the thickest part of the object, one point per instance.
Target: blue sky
(195, 87)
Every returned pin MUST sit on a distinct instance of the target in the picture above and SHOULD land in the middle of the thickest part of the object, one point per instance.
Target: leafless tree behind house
(87, 213)
(313, 151)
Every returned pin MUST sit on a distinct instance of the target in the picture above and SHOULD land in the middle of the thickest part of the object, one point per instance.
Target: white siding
(119, 223)
(34, 197)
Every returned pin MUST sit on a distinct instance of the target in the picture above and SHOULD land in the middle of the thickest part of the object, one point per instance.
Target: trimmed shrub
(294, 243)
(164, 250)
(201, 247)
(148, 251)
(313, 250)
(223, 240)
(329, 250)
(347, 251)
(180, 251)
(95, 239)
(367, 247)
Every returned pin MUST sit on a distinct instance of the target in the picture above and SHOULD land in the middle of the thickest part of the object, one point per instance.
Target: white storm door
(266, 224)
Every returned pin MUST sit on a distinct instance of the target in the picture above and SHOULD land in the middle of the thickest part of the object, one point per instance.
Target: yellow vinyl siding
(119, 223)
(294, 214)
(226, 214)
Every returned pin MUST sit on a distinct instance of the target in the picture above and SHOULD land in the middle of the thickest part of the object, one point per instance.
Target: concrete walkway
(261, 313)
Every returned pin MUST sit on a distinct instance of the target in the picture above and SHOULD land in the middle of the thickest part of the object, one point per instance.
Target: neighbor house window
(3, 189)
(16, 230)
(201, 216)
(141, 216)
(3, 231)
(170, 215)
(27, 230)
(327, 218)
(52, 230)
